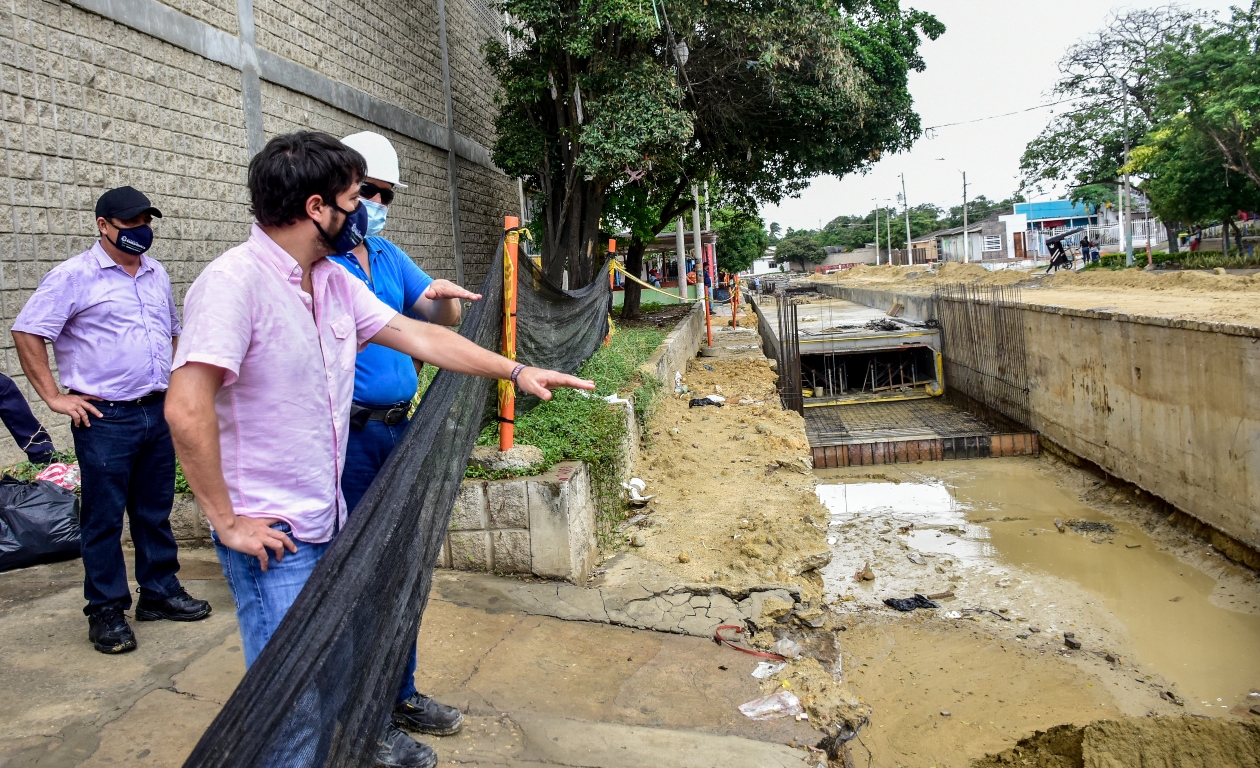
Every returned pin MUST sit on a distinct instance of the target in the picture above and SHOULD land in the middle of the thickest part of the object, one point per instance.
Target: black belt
(391, 415)
(153, 397)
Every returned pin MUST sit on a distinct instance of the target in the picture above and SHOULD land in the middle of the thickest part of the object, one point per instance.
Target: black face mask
(133, 240)
(352, 231)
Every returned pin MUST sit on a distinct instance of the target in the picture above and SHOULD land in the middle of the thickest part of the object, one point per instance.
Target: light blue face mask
(376, 216)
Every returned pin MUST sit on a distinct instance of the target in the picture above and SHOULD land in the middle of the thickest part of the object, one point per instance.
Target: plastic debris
(787, 648)
(766, 669)
(953, 615)
(635, 488)
(909, 603)
(781, 704)
(701, 401)
(64, 475)
(716, 398)
(916, 558)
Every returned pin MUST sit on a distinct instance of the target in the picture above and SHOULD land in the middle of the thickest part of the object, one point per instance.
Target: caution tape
(617, 266)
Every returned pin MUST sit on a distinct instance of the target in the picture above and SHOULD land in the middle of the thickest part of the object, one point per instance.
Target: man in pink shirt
(259, 403)
(111, 318)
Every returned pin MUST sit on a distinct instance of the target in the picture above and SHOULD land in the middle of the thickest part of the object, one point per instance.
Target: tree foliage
(1110, 80)
(1213, 84)
(599, 113)
(742, 239)
(799, 248)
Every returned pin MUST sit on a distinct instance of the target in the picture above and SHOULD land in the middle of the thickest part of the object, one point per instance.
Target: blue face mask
(376, 217)
(352, 231)
(134, 240)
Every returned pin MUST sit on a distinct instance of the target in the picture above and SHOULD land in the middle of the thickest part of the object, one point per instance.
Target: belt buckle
(394, 416)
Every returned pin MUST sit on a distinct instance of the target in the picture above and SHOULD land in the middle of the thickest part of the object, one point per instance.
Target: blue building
(1055, 214)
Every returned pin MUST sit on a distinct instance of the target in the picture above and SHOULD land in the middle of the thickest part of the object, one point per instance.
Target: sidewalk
(537, 691)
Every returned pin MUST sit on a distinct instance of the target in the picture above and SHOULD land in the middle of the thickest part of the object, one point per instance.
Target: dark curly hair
(294, 166)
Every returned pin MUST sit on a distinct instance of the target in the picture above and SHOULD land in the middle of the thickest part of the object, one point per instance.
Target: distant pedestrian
(1086, 250)
(112, 321)
(1196, 239)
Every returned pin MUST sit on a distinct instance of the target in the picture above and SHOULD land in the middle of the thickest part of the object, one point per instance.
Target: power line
(995, 117)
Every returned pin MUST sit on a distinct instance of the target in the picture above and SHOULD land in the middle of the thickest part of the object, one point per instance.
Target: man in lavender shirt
(259, 403)
(111, 318)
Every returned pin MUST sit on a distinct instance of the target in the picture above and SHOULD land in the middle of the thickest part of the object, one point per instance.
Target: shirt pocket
(343, 329)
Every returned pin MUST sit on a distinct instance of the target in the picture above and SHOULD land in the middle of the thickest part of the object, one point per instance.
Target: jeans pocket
(282, 527)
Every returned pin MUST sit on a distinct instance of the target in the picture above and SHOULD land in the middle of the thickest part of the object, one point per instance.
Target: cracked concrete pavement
(628, 592)
(543, 671)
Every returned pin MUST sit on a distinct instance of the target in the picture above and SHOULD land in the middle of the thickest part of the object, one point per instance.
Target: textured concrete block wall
(543, 524)
(174, 96)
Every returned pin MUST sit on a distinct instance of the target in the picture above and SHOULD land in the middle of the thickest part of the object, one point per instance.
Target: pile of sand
(734, 493)
(1182, 295)
(1163, 742)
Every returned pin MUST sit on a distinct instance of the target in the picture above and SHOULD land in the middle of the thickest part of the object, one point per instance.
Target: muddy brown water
(992, 517)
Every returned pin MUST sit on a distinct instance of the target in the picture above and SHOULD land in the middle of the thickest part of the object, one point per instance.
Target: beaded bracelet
(516, 372)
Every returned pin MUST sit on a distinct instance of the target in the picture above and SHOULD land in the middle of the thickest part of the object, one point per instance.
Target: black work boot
(398, 750)
(424, 715)
(109, 632)
(180, 606)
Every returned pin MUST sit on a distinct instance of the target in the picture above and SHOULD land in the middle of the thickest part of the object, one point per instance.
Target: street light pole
(876, 231)
(906, 202)
(1126, 205)
(966, 237)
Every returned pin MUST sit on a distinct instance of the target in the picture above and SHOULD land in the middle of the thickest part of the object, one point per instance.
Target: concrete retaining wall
(1170, 406)
(679, 346)
(543, 524)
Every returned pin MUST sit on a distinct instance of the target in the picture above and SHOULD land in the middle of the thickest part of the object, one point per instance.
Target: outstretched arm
(447, 349)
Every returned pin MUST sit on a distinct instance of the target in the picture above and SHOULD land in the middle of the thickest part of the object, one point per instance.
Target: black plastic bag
(39, 523)
(909, 603)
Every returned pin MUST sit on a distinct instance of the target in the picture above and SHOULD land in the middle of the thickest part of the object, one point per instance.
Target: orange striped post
(507, 390)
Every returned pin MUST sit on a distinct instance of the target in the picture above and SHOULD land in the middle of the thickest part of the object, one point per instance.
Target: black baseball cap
(124, 203)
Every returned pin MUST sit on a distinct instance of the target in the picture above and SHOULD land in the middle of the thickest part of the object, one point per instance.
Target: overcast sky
(996, 56)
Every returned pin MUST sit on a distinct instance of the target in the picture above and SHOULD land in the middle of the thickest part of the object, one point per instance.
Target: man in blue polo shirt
(385, 382)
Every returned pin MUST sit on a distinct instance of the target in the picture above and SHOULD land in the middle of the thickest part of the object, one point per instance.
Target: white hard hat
(382, 160)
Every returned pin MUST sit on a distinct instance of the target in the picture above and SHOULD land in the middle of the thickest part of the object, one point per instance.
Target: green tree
(799, 248)
(978, 209)
(775, 231)
(1110, 80)
(1214, 83)
(613, 116)
(742, 238)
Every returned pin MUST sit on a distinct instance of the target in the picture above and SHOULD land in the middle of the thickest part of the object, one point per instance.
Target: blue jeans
(262, 599)
(366, 452)
(127, 463)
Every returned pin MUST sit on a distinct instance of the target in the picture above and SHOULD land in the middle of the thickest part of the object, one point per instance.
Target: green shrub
(576, 426)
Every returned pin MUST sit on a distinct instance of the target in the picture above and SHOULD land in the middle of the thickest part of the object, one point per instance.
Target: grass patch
(25, 470)
(1182, 260)
(578, 427)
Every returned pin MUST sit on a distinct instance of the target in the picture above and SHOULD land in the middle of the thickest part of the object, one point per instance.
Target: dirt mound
(733, 489)
(1148, 742)
(1188, 280)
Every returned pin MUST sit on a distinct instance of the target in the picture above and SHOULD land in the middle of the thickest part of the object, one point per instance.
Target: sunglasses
(369, 190)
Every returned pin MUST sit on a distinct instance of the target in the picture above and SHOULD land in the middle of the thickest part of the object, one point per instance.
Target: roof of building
(1053, 209)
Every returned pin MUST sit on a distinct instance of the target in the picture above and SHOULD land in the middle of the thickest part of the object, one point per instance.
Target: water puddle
(990, 516)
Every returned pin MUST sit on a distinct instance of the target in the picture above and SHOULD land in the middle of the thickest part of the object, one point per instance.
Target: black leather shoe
(398, 750)
(424, 715)
(109, 632)
(180, 606)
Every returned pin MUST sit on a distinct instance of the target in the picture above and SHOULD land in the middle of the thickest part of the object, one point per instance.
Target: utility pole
(708, 226)
(1127, 203)
(966, 235)
(906, 202)
(876, 232)
(680, 245)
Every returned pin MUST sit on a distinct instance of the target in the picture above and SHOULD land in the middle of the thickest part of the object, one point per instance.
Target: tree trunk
(1225, 236)
(572, 235)
(1172, 229)
(633, 295)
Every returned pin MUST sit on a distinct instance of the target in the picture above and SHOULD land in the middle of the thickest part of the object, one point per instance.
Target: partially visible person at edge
(27, 432)
(112, 321)
(385, 380)
(265, 369)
